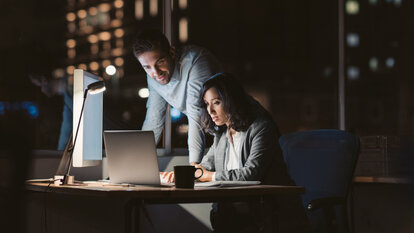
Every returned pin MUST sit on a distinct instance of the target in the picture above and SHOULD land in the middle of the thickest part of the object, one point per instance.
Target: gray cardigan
(260, 154)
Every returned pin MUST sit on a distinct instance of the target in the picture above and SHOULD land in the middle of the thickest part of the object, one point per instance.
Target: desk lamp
(65, 162)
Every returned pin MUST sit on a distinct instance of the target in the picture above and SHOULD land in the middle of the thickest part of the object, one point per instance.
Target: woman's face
(215, 108)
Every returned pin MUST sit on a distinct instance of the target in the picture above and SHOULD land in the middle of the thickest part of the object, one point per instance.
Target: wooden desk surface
(169, 194)
(385, 180)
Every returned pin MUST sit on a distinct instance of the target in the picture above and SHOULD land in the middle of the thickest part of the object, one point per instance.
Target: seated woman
(245, 147)
(246, 138)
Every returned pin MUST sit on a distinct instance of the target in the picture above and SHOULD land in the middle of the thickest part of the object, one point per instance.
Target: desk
(136, 195)
(386, 201)
(384, 180)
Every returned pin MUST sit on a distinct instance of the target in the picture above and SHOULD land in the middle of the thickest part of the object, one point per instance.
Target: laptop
(132, 157)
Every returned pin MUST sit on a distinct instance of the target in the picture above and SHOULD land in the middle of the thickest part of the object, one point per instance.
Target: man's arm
(196, 141)
(203, 67)
(155, 116)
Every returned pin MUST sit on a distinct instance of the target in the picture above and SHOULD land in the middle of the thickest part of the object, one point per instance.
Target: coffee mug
(185, 176)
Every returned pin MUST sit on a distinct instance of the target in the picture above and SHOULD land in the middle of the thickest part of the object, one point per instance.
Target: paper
(229, 183)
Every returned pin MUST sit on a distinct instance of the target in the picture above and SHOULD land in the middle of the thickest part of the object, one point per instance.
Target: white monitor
(88, 148)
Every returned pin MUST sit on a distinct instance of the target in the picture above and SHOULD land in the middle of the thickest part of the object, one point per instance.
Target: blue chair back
(323, 161)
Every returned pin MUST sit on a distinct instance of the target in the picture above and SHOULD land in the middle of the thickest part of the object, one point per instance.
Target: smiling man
(174, 77)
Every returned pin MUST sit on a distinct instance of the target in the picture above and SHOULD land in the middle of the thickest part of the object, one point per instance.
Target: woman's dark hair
(149, 40)
(236, 102)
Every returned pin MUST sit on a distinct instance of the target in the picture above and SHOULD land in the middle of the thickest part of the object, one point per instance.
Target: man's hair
(149, 40)
(236, 103)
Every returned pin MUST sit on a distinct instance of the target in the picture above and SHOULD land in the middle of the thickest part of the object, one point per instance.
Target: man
(175, 78)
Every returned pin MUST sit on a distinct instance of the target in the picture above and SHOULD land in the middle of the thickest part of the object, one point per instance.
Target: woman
(246, 138)
(245, 147)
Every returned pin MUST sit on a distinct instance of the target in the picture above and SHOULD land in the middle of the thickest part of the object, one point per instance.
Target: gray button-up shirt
(193, 66)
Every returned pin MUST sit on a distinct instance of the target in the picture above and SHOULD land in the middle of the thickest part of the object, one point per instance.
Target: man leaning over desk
(175, 78)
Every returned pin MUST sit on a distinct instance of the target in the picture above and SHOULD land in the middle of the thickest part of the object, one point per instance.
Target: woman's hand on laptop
(167, 177)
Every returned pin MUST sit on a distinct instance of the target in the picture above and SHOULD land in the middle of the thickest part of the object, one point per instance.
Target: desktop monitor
(88, 148)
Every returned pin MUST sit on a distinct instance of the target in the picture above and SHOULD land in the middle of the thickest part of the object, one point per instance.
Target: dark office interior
(323, 64)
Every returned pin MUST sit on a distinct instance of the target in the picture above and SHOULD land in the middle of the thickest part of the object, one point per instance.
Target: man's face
(158, 65)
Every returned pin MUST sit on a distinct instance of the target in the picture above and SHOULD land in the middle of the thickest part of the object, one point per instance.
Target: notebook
(132, 157)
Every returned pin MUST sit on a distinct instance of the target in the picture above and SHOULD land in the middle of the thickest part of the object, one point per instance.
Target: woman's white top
(232, 160)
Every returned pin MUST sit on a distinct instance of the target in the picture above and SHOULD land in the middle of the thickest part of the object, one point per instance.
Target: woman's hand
(207, 175)
(167, 177)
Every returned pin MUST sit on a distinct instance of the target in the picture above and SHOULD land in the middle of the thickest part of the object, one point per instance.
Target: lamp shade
(96, 87)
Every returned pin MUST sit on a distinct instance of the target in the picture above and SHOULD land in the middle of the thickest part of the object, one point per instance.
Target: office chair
(323, 161)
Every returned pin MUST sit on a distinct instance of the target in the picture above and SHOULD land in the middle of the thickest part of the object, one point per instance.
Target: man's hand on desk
(167, 177)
